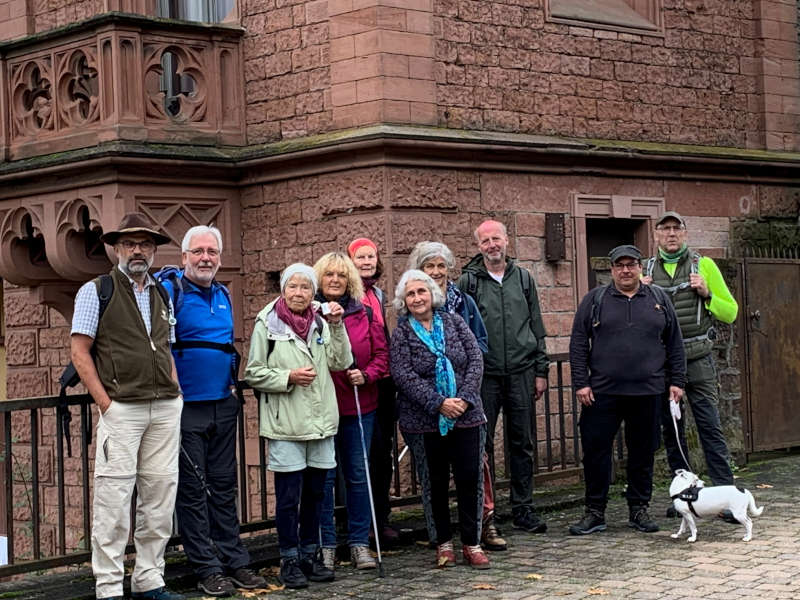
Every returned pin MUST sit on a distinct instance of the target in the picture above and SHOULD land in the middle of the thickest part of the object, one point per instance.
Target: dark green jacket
(132, 365)
(514, 323)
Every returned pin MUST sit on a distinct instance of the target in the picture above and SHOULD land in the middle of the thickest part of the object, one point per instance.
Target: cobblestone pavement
(617, 563)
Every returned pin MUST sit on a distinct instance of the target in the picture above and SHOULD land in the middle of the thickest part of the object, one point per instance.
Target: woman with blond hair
(339, 282)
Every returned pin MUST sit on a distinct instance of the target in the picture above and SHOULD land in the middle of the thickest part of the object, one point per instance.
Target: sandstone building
(295, 125)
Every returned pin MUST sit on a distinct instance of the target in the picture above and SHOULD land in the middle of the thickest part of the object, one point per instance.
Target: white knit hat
(299, 269)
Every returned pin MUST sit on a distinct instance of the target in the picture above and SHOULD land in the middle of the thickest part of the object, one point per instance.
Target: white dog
(710, 502)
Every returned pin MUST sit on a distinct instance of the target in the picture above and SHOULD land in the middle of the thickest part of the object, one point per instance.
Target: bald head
(492, 239)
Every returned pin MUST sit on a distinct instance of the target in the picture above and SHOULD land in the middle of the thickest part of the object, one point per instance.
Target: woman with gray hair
(436, 259)
(437, 367)
(292, 351)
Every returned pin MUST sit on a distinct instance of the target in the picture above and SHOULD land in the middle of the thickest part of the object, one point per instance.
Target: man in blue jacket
(626, 349)
(205, 361)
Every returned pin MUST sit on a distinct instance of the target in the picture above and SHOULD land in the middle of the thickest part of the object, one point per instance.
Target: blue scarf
(445, 376)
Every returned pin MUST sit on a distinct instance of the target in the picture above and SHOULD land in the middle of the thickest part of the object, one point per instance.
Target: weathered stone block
(54, 337)
(421, 188)
(21, 348)
(21, 312)
(345, 191)
(26, 383)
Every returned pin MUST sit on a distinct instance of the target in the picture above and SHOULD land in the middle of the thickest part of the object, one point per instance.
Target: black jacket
(635, 350)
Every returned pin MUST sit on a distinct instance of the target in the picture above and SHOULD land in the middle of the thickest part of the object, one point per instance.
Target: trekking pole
(369, 481)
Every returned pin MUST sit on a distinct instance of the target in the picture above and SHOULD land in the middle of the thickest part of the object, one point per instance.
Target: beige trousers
(137, 445)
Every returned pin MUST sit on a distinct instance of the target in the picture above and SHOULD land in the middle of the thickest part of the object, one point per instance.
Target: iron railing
(34, 419)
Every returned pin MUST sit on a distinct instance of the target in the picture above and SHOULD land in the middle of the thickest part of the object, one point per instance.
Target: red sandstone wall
(500, 66)
(287, 68)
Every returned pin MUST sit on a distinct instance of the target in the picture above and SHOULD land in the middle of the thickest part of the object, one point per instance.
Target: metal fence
(33, 438)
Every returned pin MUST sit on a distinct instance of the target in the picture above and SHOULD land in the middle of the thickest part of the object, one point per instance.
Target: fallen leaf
(764, 486)
(442, 562)
(597, 592)
(535, 576)
(483, 586)
(258, 592)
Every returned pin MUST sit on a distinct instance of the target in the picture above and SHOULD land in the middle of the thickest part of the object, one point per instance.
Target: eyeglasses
(671, 228)
(198, 252)
(144, 245)
(629, 266)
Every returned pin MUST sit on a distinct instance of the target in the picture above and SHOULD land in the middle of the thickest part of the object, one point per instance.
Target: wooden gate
(772, 322)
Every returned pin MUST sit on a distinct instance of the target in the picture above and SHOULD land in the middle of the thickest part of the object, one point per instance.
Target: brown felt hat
(135, 223)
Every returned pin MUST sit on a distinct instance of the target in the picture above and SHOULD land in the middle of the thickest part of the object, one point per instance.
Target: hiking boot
(315, 569)
(593, 520)
(161, 593)
(475, 557)
(247, 579)
(490, 537)
(291, 574)
(527, 520)
(445, 555)
(361, 557)
(727, 516)
(640, 519)
(329, 557)
(216, 585)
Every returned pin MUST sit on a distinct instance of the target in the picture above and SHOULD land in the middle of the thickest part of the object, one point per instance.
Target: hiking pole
(369, 481)
(197, 472)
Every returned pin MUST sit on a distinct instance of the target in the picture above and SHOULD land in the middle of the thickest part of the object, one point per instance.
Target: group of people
(157, 355)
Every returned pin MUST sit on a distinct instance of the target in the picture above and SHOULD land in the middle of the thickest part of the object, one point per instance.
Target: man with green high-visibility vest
(699, 294)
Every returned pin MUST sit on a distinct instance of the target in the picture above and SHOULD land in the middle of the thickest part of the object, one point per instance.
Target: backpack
(524, 280)
(69, 377)
(600, 291)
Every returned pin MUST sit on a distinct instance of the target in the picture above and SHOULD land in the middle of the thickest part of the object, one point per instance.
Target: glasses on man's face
(670, 228)
(630, 266)
(144, 245)
(198, 252)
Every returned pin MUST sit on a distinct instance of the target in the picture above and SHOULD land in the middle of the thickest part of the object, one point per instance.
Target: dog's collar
(689, 495)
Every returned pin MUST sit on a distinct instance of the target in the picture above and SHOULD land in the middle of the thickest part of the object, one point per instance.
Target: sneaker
(247, 579)
(490, 537)
(315, 569)
(445, 555)
(329, 557)
(291, 575)
(475, 557)
(593, 520)
(641, 520)
(216, 585)
(161, 593)
(527, 520)
(361, 557)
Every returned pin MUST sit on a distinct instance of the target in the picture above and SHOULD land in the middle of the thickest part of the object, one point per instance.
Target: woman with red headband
(364, 253)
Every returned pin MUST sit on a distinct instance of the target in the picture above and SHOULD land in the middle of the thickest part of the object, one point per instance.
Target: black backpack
(70, 378)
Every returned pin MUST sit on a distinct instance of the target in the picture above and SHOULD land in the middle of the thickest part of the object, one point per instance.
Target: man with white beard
(124, 361)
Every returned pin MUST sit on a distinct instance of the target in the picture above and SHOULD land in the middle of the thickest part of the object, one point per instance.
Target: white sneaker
(362, 558)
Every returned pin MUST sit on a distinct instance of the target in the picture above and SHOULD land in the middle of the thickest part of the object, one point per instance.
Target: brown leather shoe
(475, 557)
(491, 539)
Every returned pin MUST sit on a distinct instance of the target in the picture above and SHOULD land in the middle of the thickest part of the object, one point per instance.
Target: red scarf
(299, 323)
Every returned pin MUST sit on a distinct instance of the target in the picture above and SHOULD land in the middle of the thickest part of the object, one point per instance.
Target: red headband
(358, 243)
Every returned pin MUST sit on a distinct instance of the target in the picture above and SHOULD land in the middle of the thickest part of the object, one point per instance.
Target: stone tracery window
(206, 11)
(631, 16)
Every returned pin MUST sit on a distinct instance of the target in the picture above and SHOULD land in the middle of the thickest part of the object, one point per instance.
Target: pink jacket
(371, 353)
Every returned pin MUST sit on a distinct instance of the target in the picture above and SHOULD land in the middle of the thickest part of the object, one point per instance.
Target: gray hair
(301, 269)
(425, 251)
(399, 301)
(200, 230)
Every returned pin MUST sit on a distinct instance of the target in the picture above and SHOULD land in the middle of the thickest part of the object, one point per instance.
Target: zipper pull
(152, 345)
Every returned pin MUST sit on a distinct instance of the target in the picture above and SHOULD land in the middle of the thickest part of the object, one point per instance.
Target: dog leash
(675, 410)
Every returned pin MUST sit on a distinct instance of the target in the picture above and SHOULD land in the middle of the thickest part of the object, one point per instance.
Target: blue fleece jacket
(205, 315)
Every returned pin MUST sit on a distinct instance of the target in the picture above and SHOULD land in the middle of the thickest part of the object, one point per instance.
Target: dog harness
(689, 495)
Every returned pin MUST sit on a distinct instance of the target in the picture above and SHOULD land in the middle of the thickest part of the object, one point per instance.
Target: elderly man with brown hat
(124, 361)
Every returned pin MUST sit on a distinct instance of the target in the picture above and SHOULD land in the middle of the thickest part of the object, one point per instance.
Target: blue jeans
(350, 458)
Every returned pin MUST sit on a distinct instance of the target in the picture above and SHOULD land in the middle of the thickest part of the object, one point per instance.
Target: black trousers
(599, 424)
(298, 501)
(513, 394)
(701, 392)
(462, 451)
(380, 452)
(208, 522)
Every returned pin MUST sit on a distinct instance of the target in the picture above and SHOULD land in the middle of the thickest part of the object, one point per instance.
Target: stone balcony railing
(121, 77)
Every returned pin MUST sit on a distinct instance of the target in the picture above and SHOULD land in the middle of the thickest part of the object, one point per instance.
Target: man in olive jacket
(124, 361)
(515, 367)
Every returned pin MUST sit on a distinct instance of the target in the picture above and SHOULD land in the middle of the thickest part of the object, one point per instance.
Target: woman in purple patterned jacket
(437, 367)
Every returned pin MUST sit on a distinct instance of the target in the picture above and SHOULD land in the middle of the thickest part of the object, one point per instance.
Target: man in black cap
(124, 361)
(625, 350)
(699, 294)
